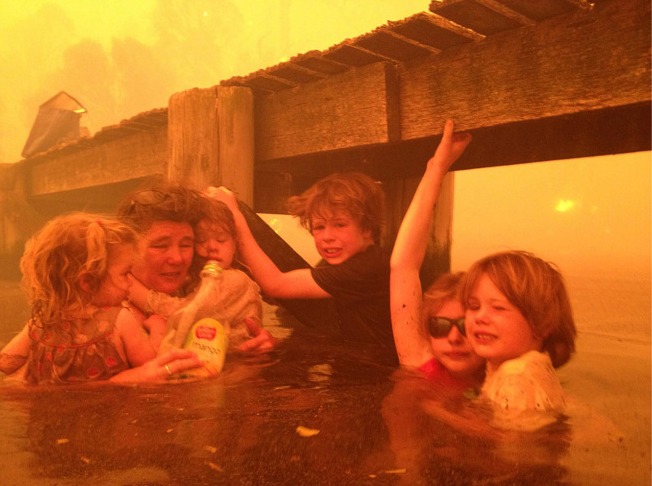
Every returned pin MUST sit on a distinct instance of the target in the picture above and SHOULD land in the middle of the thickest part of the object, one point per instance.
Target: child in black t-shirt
(344, 212)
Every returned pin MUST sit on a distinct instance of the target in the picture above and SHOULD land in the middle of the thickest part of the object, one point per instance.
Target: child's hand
(224, 195)
(261, 341)
(155, 323)
(450, 148)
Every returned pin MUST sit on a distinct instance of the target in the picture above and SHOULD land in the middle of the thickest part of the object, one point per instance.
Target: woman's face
(454, 350)
(165, 256)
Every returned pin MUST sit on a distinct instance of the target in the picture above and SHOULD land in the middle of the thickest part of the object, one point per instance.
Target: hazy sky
(121, 57)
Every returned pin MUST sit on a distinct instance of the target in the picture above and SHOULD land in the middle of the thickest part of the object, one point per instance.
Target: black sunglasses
(439, 327)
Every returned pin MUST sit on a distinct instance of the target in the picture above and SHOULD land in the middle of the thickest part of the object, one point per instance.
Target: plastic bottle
(193, 327)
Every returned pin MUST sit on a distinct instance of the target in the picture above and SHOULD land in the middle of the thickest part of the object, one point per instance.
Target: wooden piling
(211, 139)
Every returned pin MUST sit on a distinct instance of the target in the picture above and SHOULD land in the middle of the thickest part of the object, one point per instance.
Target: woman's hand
(161, 368)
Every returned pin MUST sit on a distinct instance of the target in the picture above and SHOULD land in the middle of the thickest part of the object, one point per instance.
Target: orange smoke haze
(122, 57)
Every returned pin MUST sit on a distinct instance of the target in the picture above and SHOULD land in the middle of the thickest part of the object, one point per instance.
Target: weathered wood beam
(358, 107)
(235, 111)
(602, 132)
(210, 139)
(586, 61)
(139, 155)
(567, 69)
(193, 153)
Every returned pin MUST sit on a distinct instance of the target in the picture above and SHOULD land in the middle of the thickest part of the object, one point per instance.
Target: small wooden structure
(533, 81)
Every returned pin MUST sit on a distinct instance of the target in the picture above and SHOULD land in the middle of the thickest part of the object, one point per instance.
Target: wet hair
(445, 288)
(219, 214)
(163, 202)
(216, 214)
(536, 288)
(353, 192)
(68, 248)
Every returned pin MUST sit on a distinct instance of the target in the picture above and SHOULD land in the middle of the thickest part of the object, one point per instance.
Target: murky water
(314, 412)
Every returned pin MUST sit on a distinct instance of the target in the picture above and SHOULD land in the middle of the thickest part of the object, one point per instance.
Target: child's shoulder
(526, 382)
(237, 276)
(532, 361)
(373, 256)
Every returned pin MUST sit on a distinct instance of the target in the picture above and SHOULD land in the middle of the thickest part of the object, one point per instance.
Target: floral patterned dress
(77, 350)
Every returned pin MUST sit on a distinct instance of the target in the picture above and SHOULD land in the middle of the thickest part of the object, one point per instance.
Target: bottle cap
(212, 268)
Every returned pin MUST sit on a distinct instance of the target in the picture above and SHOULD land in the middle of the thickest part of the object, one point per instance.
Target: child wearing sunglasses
(517, 311)
(429, 329)
(454, 363)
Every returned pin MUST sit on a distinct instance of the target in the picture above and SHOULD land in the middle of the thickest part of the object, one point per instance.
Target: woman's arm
(161, 368)
(15, 353)
(137, 342)
(151, 301)
(410, 336)
(295, 284)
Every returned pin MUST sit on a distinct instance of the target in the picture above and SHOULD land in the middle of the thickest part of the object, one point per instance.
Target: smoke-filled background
(122, 57)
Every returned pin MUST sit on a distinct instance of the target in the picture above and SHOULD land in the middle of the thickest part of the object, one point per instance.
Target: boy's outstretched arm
(410, 336)
(295, 284)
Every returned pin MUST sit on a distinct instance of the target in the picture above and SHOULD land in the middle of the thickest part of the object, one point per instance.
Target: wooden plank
(127, 158)
(438, 251)
(474, 15)
(568, 65)
(594, 133)
(235, 113)
(565, 68)
(357, 107)
(211, 140)
(193, 150)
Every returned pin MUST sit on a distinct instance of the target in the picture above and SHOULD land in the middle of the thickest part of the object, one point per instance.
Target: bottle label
(208, 339)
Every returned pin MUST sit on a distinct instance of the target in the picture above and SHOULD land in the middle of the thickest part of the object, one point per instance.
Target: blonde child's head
(441, 309)
(536, 288)
(65, 262)
(354, 193)
(444, 288)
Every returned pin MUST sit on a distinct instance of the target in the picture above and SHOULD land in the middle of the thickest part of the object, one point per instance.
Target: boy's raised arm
(410, 336)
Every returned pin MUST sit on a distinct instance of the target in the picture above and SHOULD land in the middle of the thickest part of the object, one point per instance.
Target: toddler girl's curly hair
(66, 249)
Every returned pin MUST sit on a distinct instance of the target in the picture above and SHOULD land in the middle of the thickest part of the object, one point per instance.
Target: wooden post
(399, 193)
(438, 252)
(211, 139)
(235, 121)
(18, 219)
